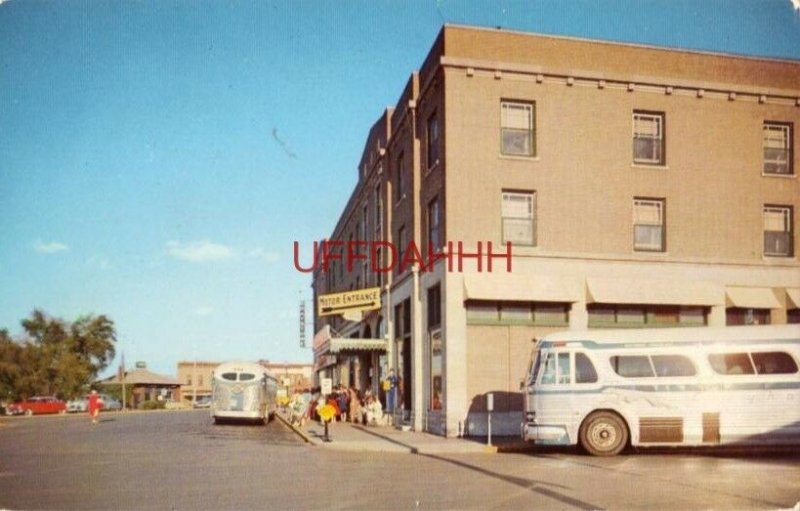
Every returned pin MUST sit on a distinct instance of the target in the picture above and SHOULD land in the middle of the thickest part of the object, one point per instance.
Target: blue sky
(158, 158)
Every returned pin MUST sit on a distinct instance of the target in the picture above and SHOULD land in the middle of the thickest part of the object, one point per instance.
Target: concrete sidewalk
(355, 437)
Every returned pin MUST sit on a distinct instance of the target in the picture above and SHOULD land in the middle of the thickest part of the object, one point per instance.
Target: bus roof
(240, 366)
(693, 334)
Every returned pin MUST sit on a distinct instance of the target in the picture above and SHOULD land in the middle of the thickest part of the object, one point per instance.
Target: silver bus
(607, 389)
(243, 391)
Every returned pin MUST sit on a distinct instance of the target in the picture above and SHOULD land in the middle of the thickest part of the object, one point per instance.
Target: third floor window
(778, 149)
(517, 128)
(648, 138)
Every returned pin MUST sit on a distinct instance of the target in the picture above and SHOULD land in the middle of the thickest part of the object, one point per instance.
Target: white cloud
(199, 251)
(203, 311)
(49, 247)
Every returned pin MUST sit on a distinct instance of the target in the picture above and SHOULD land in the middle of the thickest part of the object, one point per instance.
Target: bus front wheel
(603, 434)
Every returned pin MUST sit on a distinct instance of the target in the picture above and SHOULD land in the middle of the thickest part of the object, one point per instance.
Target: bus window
(584, 369)
(229, 376)
(549, 375)
(731, 363)
(535, 368)
(673, 365)
(563, 368)
(247, 376)
(774, 362)
(632, 366)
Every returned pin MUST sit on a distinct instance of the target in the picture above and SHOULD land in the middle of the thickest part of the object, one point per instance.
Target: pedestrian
(94, 406)
(390, 386)
(342, 400)
(354, 405)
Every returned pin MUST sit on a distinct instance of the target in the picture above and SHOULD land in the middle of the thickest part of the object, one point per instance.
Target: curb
(294, 428)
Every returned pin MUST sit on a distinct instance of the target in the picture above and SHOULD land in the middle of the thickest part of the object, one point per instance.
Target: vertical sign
(302, 324)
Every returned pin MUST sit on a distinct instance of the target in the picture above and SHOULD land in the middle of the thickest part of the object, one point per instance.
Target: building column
(417, 354)
(578, 316)
(716, 316)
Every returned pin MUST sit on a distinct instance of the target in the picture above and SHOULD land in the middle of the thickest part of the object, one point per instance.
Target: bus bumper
(545, 435)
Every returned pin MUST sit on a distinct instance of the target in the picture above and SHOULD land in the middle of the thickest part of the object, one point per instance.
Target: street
(179, 460)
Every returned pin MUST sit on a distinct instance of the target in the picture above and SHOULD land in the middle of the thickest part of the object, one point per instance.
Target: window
(517, 128)
(673, 365)
(648, 225)
(433, 140)
(648, 138)
(774, 362)
(584, 369)
(434, 307)
(434, 227)
(519, 224)
(401, 180)
(632, 366)
(247, 376)
(229, 376)
(777, 143)
(436, 370)
(743, 316)
(778, 235)
(731, 363)
(556, 369)
(402, 242)
(619, 315)
(378, 213)
(484, 312)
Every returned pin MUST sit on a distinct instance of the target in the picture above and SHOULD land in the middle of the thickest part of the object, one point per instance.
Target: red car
(37, 405)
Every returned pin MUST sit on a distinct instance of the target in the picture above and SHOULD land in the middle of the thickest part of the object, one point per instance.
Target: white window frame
(639, 117)
(660, 204)
(529, 130)
(788, 229)
(510, 195)
(777, 136)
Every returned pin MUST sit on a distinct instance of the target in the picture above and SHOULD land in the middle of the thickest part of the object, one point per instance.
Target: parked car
(78, 405)
(37, 405)
(108, 403)
(202, 402)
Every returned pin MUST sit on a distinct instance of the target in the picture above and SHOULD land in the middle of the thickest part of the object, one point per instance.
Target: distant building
(146, 386)
(195, 377)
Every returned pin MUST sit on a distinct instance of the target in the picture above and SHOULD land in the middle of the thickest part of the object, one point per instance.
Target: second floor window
(519, 224)
(778, 149)
(401, 180)
(778, 231)
(434, 224)
(517, 128)
(433, 140)
(648, 138)
(648, 225)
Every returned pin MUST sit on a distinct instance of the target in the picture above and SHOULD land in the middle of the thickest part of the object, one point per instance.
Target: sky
(159, 158)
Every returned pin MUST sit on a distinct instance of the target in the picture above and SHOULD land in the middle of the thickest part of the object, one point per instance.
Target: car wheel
(28, 412)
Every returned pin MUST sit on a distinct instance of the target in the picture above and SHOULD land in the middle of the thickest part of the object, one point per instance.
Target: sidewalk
(355, 437)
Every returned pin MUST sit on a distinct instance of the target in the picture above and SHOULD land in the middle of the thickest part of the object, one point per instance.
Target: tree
(57, 357)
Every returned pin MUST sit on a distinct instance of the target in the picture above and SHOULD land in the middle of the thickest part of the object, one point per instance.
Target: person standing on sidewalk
(94, 406)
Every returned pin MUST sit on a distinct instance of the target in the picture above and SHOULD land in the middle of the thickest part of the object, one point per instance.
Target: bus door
(554, 396)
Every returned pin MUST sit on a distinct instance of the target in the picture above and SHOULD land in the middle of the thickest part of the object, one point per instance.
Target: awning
(655, 292)
(752, 298)
(793, 294)
(522, 288)
(339, 344)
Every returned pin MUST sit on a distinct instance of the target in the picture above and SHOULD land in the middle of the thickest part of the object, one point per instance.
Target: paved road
(179, 460)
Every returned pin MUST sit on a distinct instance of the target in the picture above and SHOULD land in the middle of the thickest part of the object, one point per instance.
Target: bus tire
(603, 434)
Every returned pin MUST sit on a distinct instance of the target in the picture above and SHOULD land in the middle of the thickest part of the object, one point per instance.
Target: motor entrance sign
(350, 301)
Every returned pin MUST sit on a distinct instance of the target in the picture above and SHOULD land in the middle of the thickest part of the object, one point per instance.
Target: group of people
(348, 404)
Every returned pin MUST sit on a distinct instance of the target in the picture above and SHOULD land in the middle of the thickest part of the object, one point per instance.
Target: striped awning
(340, 344)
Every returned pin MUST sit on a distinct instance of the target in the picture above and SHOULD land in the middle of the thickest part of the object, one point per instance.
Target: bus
(705, 386)
(243, 391)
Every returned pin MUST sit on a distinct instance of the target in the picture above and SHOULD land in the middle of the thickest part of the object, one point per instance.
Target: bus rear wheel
(603, 434)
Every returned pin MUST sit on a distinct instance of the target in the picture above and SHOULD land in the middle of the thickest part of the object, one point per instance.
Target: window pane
(673, 365)
(731, 363)
(518, 231)
(229, 376)
(632, 366)
(693, 316)
(515, 312)
(516, 142)
(247, 377)
(517, 116)
(584, 369)
(549, 374)
(774, 362)
(550, 313)
(482, 312)
(630, 315)
(563, 368)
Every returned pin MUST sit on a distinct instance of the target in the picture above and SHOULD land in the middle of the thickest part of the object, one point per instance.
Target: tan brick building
(638, 186)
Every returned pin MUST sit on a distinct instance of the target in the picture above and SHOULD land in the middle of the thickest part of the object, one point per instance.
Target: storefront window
(436, 370)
